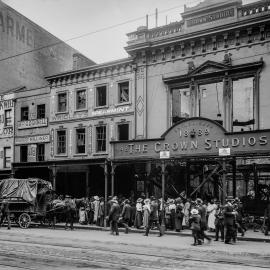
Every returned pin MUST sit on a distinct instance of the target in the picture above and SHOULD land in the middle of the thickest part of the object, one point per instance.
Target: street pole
(163, 196)
(224, 180)
(106, 192)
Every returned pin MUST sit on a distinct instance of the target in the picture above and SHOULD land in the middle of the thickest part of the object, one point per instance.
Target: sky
(103, 24)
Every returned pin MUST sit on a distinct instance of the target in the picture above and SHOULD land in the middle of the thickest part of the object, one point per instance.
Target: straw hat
(139, 200)
(194, 212)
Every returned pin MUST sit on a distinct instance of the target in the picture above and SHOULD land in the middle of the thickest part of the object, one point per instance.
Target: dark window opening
(24, 114)
(40, 152)
(123, 132)
(101, 96)
(7, 157)
(8, 120)
(41, 111)
(81, 99)
(23, 153)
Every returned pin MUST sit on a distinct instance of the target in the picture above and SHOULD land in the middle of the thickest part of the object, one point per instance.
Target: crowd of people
(226, 220)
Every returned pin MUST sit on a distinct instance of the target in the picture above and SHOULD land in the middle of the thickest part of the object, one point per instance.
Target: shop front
(196, 158)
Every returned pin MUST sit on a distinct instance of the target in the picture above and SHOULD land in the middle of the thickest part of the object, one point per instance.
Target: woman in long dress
(146, 213)
(138, 215)
(186, 212)
(211, 210)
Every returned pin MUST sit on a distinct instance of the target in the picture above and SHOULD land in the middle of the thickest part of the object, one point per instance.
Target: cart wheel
(24, 220)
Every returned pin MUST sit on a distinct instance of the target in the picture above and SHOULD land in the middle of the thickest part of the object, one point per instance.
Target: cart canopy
(26, 189)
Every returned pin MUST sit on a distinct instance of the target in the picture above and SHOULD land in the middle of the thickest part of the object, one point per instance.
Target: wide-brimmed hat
(114, 199)
(199, 201)
(96, 198)
(139, 200)
(67, 196)
(229, 199)
(194, 211)
(126, 201)
(178, 200)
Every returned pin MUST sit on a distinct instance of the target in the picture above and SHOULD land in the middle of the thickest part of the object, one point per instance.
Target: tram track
(103, 252)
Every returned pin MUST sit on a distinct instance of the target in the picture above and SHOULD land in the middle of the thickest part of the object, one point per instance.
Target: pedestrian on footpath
(229, 222)
(202, 212)
(219, 222)
(153, 217)
(195, 222)
(267, 219)
(114, 216)
(126, 215)
(5, 213)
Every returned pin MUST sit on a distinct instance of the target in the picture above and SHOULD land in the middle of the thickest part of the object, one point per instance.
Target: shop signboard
(224, 152)
(195, 137)
(164, 154)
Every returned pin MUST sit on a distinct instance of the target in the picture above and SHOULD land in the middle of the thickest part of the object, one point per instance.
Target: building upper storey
(211, 17)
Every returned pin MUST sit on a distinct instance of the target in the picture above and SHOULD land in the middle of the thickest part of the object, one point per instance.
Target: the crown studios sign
(195, 137)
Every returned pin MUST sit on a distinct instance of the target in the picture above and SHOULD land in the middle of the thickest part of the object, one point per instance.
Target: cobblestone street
(60, 249)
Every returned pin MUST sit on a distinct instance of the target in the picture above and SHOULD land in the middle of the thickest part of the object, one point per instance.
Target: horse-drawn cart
(27, 199)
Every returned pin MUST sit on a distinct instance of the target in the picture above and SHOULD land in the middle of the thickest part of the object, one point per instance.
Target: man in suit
(229, 222)
(114, 215)
(153, 217)
(219, 222)
(5, 213)
(126, 214)
(202, 212)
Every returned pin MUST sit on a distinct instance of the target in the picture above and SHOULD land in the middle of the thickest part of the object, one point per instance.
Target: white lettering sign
(33, 123)
(33, 139)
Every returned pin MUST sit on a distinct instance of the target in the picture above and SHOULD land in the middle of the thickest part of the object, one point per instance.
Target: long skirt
(138, 219)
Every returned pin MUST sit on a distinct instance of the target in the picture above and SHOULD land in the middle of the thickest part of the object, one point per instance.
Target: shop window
(7, 157)
(24, 113)
(101, 139)
(80, 141)
(211, 101)
(81, 99)
(180, 104)
(40, 152)
(101, 96)
(123, 89)
(243, 104)
(23, 153)
(61, 142)
(8, 120)
(123, 132)
(62, 102)
(41, 111)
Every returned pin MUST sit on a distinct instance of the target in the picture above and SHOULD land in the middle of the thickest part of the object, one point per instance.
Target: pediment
(209, 67)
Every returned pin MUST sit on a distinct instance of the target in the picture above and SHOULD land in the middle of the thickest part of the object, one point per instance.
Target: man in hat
(114, 215)
(202, 212)
(126, 214)
(70, 211)
(5, 213)
(153, 217)
(219, 222)
(195, 222)
(229, 221)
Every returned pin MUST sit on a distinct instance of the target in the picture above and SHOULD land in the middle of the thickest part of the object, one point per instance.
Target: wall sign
(33, 139)
(211, 17)
(195, 137)
(33, 123)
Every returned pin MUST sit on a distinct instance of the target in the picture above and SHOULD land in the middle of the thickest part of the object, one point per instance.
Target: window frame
(22, 114)
(57, 103)
(96, 96)
(96, 139)
(76, 99)
(76, 141)
(38, 106)
(5, 120)
(66, 142)
(38, 153)
(5, 158)
(119, 92)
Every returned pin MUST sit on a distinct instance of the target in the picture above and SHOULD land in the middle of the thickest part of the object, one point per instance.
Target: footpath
(250, 235)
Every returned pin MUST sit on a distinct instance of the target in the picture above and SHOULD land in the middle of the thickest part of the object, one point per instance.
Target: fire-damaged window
(123, 89)
(80, 141)
(8, 119)
(210, 102)
(101, 138)
(81, 99)
(243, 104)
(7, 157)
(101, 96)
(123, 131)
(61, 142)
(41, 152)
(40, 111)
(24, 113)
(62, 102)
(23, 153)
(180, 104)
